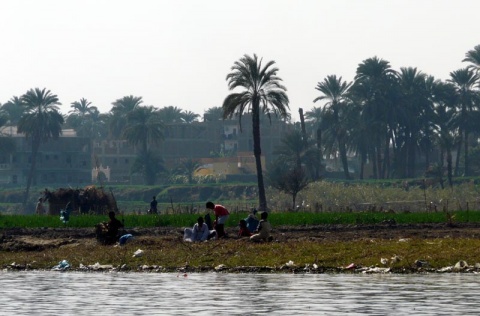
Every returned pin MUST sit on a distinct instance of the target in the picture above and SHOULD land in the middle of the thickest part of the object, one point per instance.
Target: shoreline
(328, 249)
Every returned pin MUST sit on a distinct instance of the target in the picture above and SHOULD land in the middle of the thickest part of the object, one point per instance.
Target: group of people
(256, 230)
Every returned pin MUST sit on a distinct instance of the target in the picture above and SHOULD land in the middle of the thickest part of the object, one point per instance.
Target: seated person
(108, 233)
(199, 232)
(263, 230)
(252, 221)
(243, 231)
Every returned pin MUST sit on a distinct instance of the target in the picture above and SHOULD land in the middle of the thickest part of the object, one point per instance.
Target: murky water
(72, 293)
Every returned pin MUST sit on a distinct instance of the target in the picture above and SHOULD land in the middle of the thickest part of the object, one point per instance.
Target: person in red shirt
(221, 216)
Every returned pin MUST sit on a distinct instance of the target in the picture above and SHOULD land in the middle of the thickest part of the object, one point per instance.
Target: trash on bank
(351, 266)
(125, 239)
(421, 263)
(290, 264)
(138, 253)
(461, 265)
(98, 266)
(62, 266)
(220, 267)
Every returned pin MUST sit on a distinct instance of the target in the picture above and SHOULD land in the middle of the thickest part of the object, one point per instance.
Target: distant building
(65, 161)
(221, 143)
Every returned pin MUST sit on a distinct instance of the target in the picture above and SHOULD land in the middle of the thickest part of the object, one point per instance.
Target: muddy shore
(38, 240)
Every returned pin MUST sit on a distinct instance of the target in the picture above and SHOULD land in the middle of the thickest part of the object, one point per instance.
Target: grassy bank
(167, 252)
(173, 255)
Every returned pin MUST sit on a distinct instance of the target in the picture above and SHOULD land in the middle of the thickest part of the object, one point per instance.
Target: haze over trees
(401, 123)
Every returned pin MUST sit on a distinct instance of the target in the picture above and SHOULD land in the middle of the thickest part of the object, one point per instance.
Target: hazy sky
(179, 52)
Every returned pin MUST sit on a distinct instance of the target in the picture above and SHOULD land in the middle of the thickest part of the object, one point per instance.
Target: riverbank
(379, 248)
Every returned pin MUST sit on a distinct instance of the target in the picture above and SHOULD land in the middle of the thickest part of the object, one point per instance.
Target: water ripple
(74, 293)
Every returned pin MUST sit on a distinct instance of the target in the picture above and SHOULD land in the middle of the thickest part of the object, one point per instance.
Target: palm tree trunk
(362, 166)
(320, 153)
(467, 162)
(457, 161)
(35, 147)
(449, 167)
(343, 157)
(257, 152)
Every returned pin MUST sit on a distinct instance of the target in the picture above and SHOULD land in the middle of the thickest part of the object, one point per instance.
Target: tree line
(384, 116)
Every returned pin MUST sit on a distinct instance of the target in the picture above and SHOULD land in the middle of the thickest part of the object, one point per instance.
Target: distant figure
(199, 232)
(153, 206)
(113, 226)
(243, 230)
(252, 221)
(263, 230)
(39, 209)
(84, 204)
(221, 216)
(108, 233)
(65, 214)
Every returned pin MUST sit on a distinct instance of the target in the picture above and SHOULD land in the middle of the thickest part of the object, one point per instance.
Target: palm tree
(374, 91)
(189, 117)
(188, 167)
(85, 119)
(14, 109)
(464, 81)
(296, 151)
(41, 122)
(213, 114)
(171, 114)
(263, 93)
(144, 128)
(444, 100)
(314, 117)
(335, 92)
(473, 57)
(82, 108)
(415, 103)
(148, 164)
(121, 108)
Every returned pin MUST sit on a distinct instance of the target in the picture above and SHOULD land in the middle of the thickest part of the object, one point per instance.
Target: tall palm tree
(374, 91)
(263, 94)
(144, 128)
(335, 92)
(444, 100)
(465, 81)
(415, 103)
(473, 57)
(41, 122)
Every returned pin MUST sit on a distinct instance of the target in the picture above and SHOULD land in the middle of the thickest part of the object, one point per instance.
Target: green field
(276, 219)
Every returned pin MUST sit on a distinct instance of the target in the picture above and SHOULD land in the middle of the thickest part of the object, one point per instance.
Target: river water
(76, 293)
